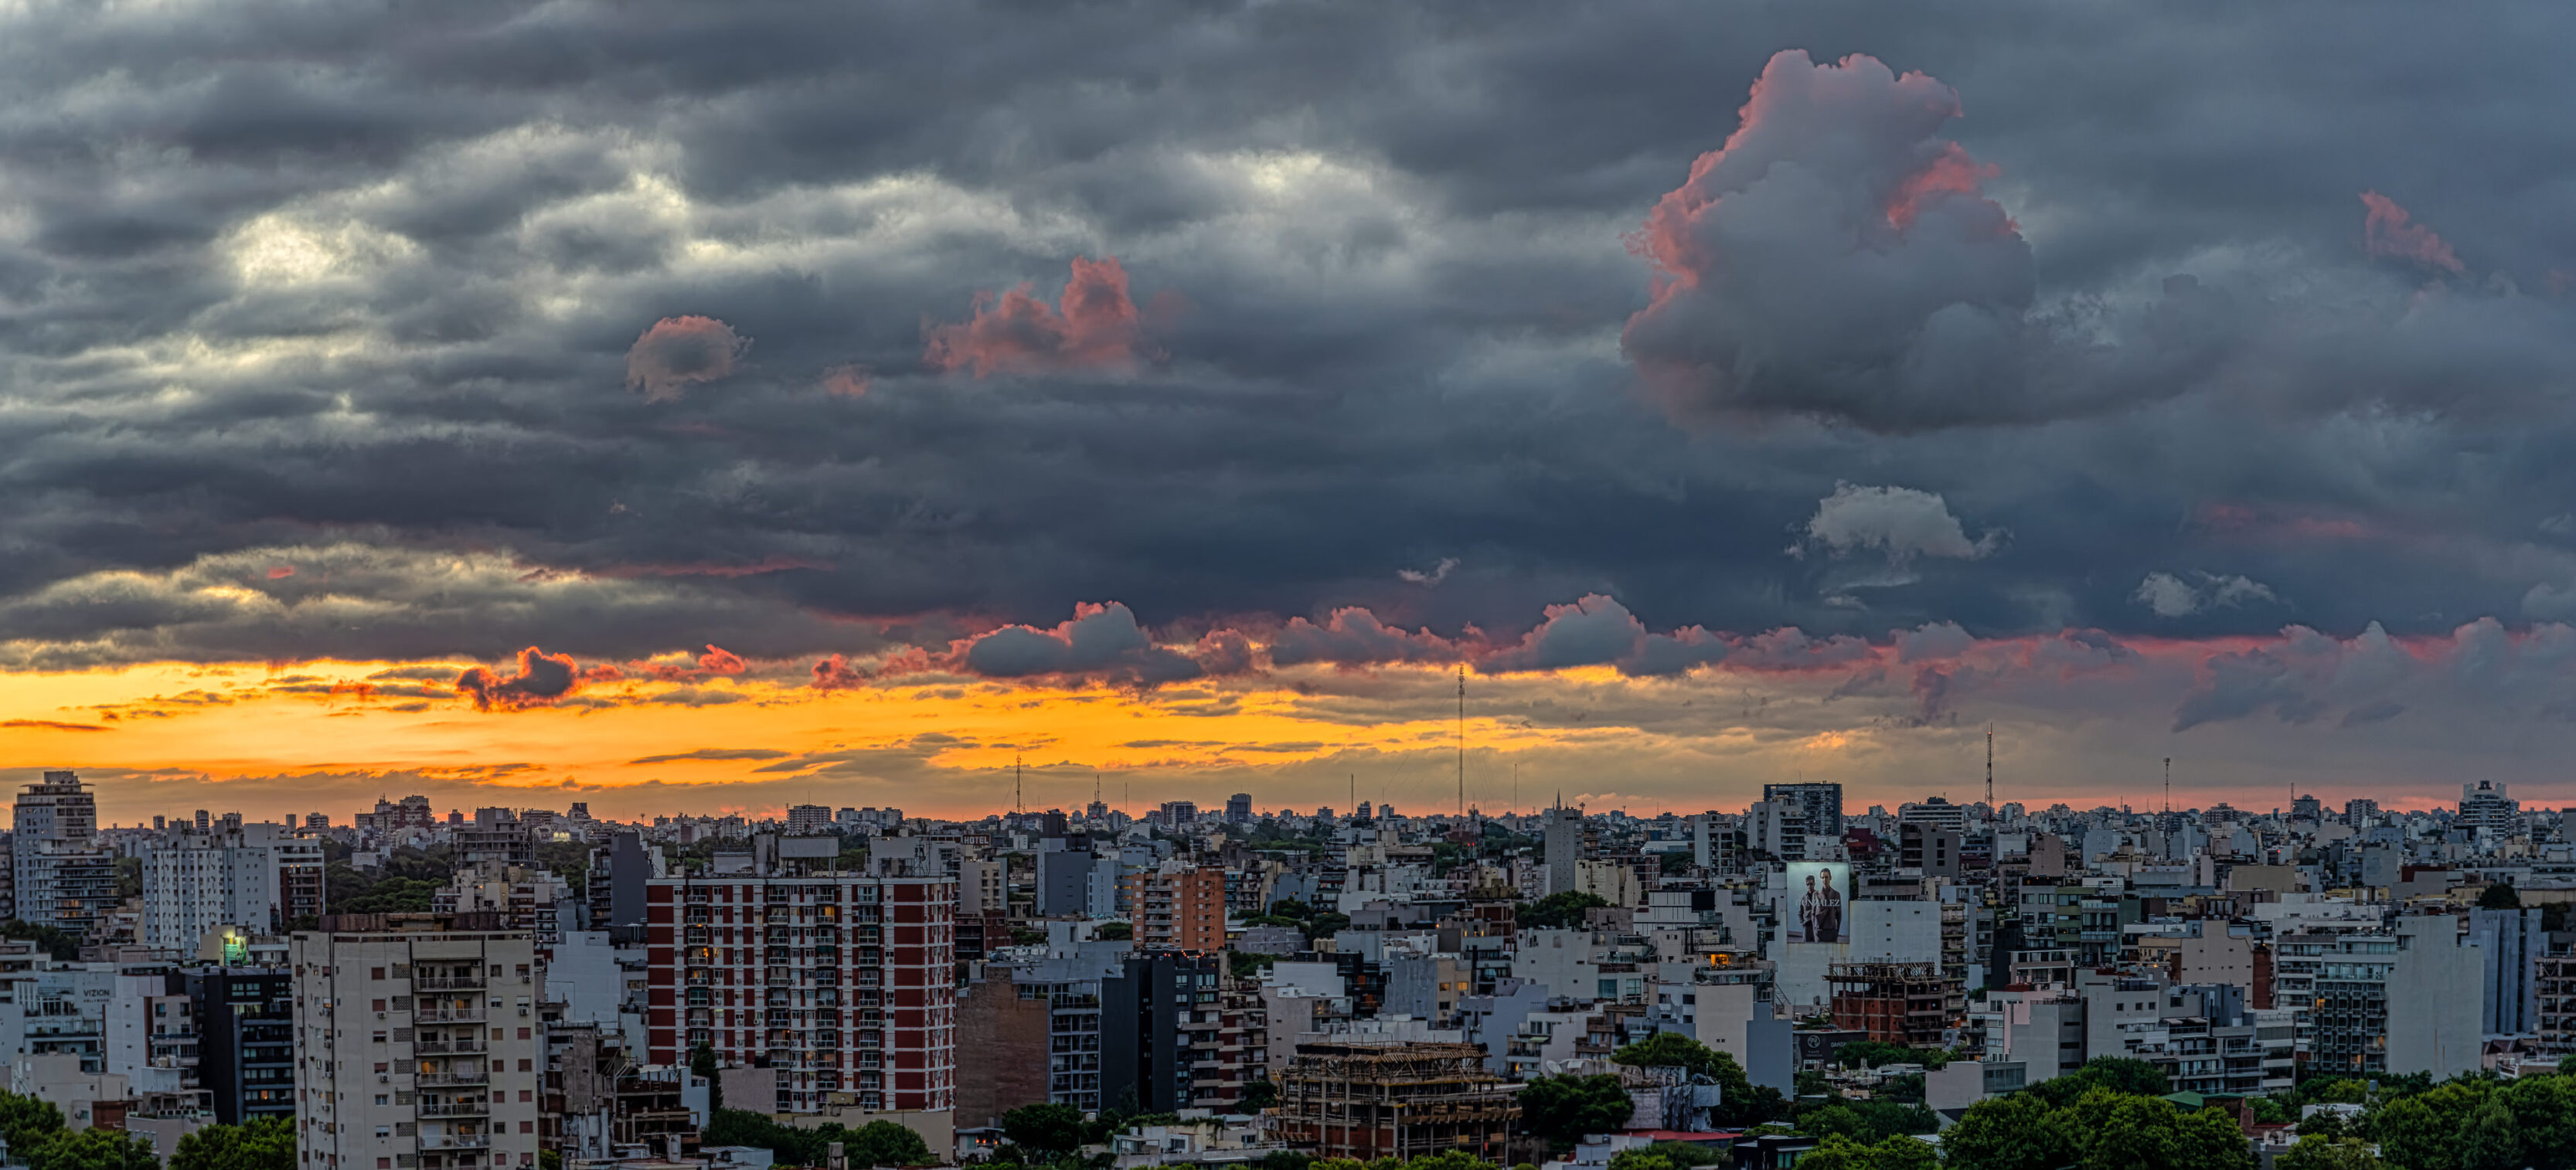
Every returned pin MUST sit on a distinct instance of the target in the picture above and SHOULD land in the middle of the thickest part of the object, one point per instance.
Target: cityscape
(436, 989)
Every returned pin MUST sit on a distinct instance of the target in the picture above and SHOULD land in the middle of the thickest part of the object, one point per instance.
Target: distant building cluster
(426, 990)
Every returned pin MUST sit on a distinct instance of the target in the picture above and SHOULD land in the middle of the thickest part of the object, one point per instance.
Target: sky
(696, 408)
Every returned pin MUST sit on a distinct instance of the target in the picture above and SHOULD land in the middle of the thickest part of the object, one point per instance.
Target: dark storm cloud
(359, 292)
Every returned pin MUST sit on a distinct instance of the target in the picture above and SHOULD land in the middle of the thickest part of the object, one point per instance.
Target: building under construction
(1394, 1100)
(1897, 1003)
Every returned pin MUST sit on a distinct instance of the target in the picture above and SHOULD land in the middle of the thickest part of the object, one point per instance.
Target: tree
(92, 1149)
(703, 1066)
(885, 1143)
(1447, 1160)
(1257, 1096)
(2500, 896)
(1052, 1128)
(1115, 932)
(262, 1143)
(1562, 909)
(26, 1121)
(1563, 1109)
(1895, 1153)
(2019, 1132)
(2123, 1075)
(1640, 1159)
(2321, 1153)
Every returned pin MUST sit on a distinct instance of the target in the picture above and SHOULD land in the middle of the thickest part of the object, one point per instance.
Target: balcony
(447, 983)
(448, 1015)
(456, 1141)
(455, 1108)
(438, 1080)
(465, 1044)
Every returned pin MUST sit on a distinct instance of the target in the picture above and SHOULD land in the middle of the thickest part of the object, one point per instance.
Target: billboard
(1819, 893)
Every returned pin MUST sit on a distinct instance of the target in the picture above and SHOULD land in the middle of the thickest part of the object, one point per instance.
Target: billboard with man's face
(1818, 903)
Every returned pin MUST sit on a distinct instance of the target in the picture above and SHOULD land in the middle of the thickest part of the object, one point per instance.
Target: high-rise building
(1177, 906)
(1161, 1032)
(1937, 812)
(842, 984)
(806, 820)
(1561, 845)
(1238, 808)
(261, 877)
(245, 1038)
(2485, 807)
(61, 877)
(1822, 803)
(618, 872)
(417, 1043)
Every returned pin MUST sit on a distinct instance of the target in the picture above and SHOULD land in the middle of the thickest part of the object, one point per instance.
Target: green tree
(2492, 1140)
(25, 1121)
(703, 1066)
(1257, 1096)
(91, 1149)
(1563, 1109)
(1051, 1128)
(2322, 1153)
(1115, 931)
(1446, 1160)
(1563, 909)
(2019, 1132)
(2500, 896)
(61, 944)
(550, 1160)
(1640, 1159)
(262, 1143)
(885, 1143)
(1895, 1153)
(2123, 1075)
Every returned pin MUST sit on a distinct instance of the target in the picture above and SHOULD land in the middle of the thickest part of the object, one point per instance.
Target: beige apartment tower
(417, 1043)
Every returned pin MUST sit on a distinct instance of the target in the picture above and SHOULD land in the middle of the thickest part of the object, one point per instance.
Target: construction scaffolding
(1896, 1003)
(1394, 1100)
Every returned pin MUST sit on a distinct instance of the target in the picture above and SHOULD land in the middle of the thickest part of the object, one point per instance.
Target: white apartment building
(261, 877)
(417, 1043)
(61, 877)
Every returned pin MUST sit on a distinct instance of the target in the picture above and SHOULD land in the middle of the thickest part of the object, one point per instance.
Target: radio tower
(2168, 785)
(1990, 769)
(1462, 741)
(1019, 802)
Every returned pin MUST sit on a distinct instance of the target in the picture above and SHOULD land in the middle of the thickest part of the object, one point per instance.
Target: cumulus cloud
(2388, 230)
(1836, 257)
(1102, 641)
(541, 679)
(1094, 326)
(834, 673)
(679, 352)
(2170, 596)
(1353, 636)
(1903, 523)
(1598, 631)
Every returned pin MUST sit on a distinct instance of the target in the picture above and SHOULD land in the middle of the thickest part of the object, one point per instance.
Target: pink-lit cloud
(541, 680)
(1093, 326)
(678, 352)
(836, 674)
(1836, 257)
(2388, 230)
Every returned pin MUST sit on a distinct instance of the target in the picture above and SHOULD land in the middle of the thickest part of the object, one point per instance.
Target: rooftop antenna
(2168, 785)
(1990, 766)
(1019, 801)
(1462, 740)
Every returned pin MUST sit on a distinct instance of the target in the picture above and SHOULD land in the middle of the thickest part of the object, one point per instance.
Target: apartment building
(245, 1018)
(261, 877)
(417, 1043)
(840, 983)
(60, 876)
(1177, 906)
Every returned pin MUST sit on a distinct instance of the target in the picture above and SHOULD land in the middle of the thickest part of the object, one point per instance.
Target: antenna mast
(2168, 785)
(1019, 800)
(1990, 769)
(1462, 740)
